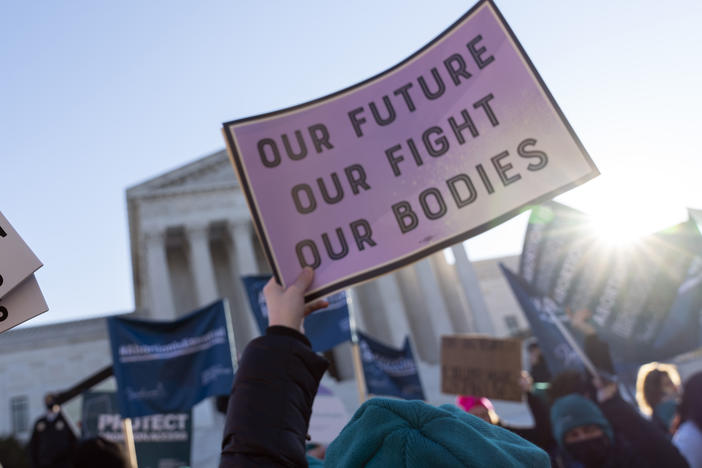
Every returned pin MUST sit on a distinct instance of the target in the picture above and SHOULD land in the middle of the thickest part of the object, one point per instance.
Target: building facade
(192, 239)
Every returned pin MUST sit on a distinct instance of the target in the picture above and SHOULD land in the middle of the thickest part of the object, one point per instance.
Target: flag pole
(129, 442)
(573, 344)
(356, 350)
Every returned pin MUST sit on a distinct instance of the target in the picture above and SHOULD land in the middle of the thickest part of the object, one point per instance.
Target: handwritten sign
(22, 303)
(17, 261)
(481, 366)
(459, 137)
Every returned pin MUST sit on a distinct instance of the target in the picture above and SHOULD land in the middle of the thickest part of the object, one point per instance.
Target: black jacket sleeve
(540, 433)
(643, 437)
(271, 401)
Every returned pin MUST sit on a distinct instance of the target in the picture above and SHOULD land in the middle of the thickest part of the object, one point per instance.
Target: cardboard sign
(481, 366)
(17, 261)
(22, 303)
(456, 139)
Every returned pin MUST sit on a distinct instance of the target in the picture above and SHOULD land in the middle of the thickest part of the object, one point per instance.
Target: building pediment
(212, 172)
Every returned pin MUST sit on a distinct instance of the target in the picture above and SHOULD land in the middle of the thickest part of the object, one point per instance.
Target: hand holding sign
(287, 307)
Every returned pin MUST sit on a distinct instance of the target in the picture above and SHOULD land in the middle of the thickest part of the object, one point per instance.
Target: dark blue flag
(167, 367)
(325, 328)
(682, 330)
(540, 312)
(389, 371)
(641, 299)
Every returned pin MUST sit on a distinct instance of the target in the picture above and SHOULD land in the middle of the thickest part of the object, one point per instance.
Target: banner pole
(356, 350)
(574, 344)
(230, 334)
(129, 442)
(358, 370)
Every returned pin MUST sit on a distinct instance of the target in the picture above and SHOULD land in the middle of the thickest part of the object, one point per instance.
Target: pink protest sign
(459, 137)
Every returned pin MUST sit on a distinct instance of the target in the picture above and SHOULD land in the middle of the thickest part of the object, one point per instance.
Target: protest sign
(324, 328)
(161, 440)
(634, 296)
(541, 313)
(17, 261)
(329, 416)
(166, 367)
(454, 140)
(389, 371)
(22, 303)
(481, 366)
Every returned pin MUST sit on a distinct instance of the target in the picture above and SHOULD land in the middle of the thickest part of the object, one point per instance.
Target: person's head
(388, 432)
(569, 382)
(50, 402)
(581, 430)
(691, 403)
(478, 406)
(655, 383)
(99, 452)
(534, 351)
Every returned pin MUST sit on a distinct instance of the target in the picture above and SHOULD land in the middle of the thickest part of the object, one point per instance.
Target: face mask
(591, 452)
(665, 412)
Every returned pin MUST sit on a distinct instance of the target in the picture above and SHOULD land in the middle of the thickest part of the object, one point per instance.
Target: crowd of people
(582, 421)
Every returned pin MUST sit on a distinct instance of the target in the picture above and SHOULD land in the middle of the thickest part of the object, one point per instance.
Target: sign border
(417, 255)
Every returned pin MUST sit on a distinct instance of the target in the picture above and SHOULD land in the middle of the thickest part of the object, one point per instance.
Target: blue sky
(98, 96)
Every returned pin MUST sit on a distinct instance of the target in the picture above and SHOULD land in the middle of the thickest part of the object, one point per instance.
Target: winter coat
(271, 401)
(640, 436)
(688, 440)
(540, 434)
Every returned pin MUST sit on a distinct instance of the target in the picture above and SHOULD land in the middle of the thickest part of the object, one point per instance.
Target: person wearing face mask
(612, 434)
(584, 434)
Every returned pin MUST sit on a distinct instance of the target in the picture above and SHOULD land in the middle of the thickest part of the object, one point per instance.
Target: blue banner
(559, 354)
(160, 439)
(389, 371)
(635, 297)
(324, 328)
(167, 367)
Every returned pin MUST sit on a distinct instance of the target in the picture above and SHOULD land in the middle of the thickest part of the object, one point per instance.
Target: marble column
(161, 305)
(482, 320)
(203, 274)
(244, 250)
(393, 309)
(243, 262)
(435, 305)
(201, 263)
(356, 309)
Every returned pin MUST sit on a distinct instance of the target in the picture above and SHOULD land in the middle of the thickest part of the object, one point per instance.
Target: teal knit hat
(572, 411)
(404, 434)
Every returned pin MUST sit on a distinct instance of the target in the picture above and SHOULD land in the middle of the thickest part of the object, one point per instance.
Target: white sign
(329, 417)
(22, 303)
(17, 261)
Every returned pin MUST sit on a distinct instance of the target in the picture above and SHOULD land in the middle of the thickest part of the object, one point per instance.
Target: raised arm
(271, 402)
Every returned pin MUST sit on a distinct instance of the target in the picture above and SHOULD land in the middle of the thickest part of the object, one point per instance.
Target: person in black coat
(271, 402)
(612, 434)
(53, 441)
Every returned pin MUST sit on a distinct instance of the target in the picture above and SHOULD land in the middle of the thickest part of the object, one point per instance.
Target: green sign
(161, 440)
